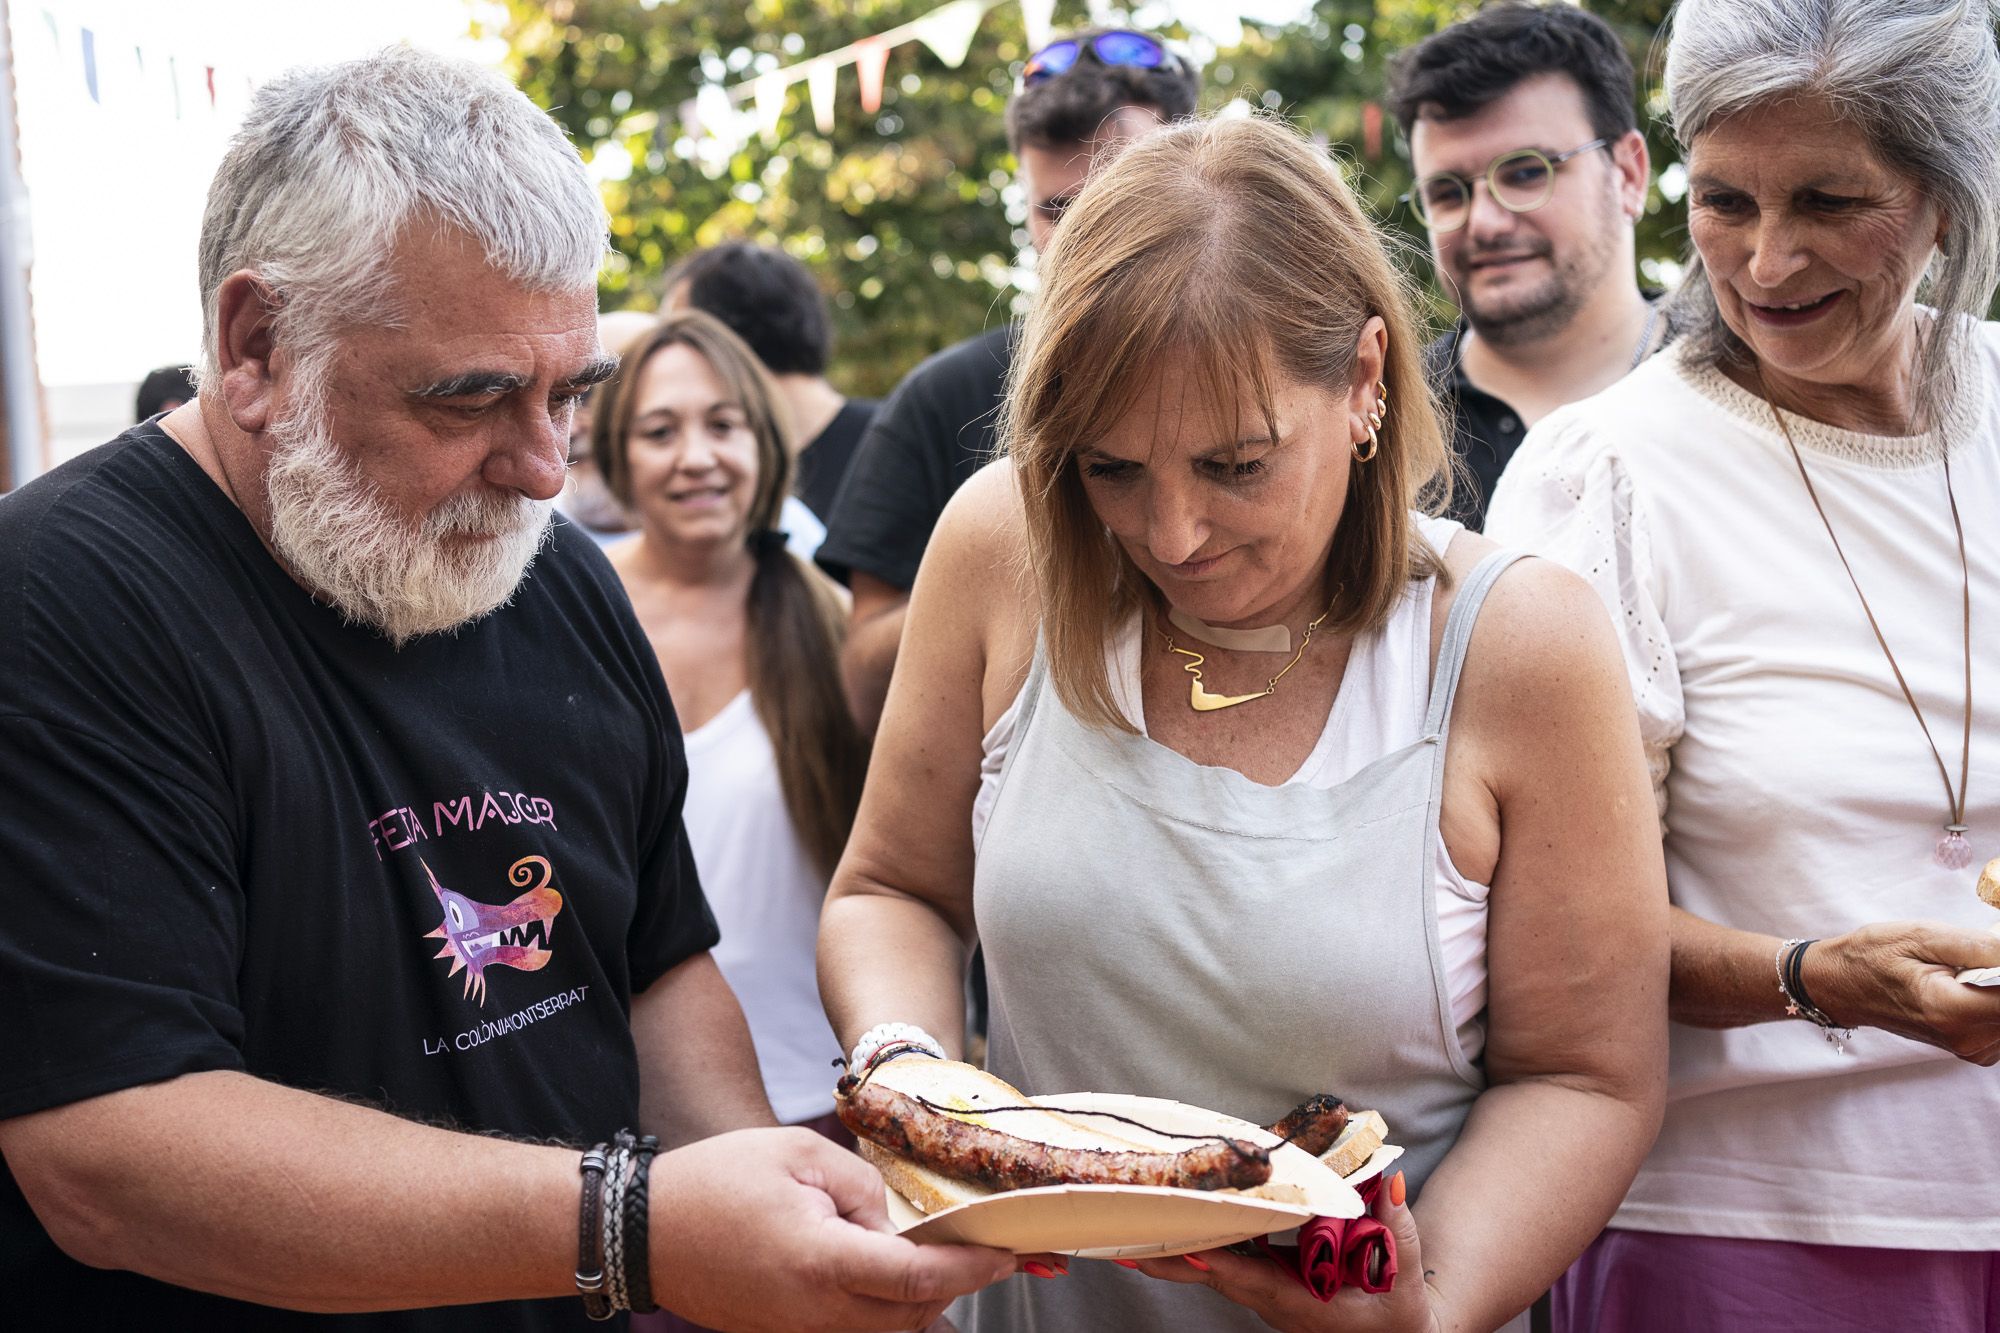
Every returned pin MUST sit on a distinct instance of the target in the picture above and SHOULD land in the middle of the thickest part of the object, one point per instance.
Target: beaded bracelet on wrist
(887, 1040)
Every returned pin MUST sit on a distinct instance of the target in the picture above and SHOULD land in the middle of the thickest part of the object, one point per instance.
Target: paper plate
(1138, 1221)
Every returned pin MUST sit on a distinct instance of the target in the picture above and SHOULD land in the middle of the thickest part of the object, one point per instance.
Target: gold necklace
(1202, 701)
(1952, 851)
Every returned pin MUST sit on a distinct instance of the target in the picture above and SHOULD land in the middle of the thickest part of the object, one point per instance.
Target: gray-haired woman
(1791, 517)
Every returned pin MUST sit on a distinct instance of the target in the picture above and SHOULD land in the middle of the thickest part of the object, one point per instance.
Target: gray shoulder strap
(1458, 634)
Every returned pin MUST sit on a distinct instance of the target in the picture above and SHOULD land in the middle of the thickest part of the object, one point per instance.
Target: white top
(804, 533)
(1799, 797)
(766, 897)
(1380, 708)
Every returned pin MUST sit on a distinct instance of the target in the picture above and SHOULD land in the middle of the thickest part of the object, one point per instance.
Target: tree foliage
(910, 217)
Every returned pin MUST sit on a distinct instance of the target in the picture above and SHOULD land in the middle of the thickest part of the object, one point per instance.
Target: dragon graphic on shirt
(478, 935)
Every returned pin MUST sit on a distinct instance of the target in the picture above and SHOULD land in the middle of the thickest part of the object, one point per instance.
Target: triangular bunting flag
(871, 62)
(769, 94)
(717, 115)
(90, 64)
(821, 81)
(1040, 18)
(949, 31)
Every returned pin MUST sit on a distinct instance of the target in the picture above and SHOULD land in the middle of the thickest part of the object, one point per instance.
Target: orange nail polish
(1037, 1268)
(1196, 1262)
(1124, 1263)
(1396, 1189)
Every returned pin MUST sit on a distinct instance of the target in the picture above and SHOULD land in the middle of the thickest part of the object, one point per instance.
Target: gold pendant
(1204, 702)
(1199, 698)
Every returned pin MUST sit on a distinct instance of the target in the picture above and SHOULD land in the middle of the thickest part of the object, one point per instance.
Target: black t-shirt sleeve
(671, 920)
(895, 488)
(120, 940)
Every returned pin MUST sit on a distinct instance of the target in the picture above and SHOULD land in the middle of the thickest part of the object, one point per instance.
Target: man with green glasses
(1530, 173)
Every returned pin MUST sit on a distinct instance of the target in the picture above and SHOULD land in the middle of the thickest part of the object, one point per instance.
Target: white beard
(339, 540)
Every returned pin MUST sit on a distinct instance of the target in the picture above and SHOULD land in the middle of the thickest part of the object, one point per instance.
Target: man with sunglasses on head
(1078, 100)
(1531, 172)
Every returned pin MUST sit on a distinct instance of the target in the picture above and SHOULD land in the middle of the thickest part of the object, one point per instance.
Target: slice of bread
(1366, 1131)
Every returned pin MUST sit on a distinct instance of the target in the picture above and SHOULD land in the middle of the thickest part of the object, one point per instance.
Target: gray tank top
(1156, 926)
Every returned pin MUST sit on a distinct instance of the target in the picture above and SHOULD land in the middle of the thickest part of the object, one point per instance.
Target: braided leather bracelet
(614, 1260)
(614, 1221)
(638, 1253)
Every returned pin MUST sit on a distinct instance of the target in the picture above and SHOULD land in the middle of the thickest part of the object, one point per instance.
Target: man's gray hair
(1919, 78)
(333, 163)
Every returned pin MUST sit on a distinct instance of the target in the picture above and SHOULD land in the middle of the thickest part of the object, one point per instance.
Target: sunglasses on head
(1135, 50)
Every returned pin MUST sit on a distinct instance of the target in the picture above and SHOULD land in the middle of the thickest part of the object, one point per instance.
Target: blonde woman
(748, 639)
(1194, 776)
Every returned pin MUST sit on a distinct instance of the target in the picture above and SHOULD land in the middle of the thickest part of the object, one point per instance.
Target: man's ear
(246, 311)
(1635, 170)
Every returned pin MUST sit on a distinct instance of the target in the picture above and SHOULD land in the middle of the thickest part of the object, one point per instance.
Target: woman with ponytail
(748, 637)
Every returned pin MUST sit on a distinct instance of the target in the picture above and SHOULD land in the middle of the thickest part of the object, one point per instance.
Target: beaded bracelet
(886, 1040)
(1792, 986)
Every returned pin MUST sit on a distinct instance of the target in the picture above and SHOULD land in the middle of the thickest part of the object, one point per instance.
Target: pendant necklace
(1202, 701)
(1952, 851)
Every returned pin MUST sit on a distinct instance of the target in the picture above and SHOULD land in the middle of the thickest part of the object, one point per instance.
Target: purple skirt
(1650, 1282)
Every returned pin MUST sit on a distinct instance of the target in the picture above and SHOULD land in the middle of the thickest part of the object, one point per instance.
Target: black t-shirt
(1485, 431)
(932, 434)
(242, 835)
(823, 463)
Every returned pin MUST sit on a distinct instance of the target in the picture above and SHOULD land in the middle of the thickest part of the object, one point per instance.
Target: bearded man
(344, 857)
(1531, 172)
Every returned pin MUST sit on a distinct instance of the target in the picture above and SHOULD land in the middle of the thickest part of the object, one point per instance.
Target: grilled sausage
(1314, 1125)
(998, 1160)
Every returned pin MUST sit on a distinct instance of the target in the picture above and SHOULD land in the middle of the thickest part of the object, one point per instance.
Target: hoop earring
(1375, 420)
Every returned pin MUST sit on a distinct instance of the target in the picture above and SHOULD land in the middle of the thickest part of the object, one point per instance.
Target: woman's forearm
(1722, 977)
(885, 957)
(1538, 1170)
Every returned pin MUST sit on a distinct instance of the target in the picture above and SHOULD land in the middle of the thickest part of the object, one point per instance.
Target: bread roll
(1989, 883)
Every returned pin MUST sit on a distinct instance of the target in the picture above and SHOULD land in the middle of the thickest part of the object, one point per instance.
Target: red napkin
(1338, 1252)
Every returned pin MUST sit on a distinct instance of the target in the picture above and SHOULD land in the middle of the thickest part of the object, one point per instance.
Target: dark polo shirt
(1484, 430)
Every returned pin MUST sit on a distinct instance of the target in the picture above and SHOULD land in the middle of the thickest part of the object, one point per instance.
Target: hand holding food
(1282, 1301)
(1902, 977)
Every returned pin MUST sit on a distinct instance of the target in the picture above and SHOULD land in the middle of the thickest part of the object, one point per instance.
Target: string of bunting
(167, 77)
(947, 30)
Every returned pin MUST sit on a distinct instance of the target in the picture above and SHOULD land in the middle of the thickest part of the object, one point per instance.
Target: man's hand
(779, 1231)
